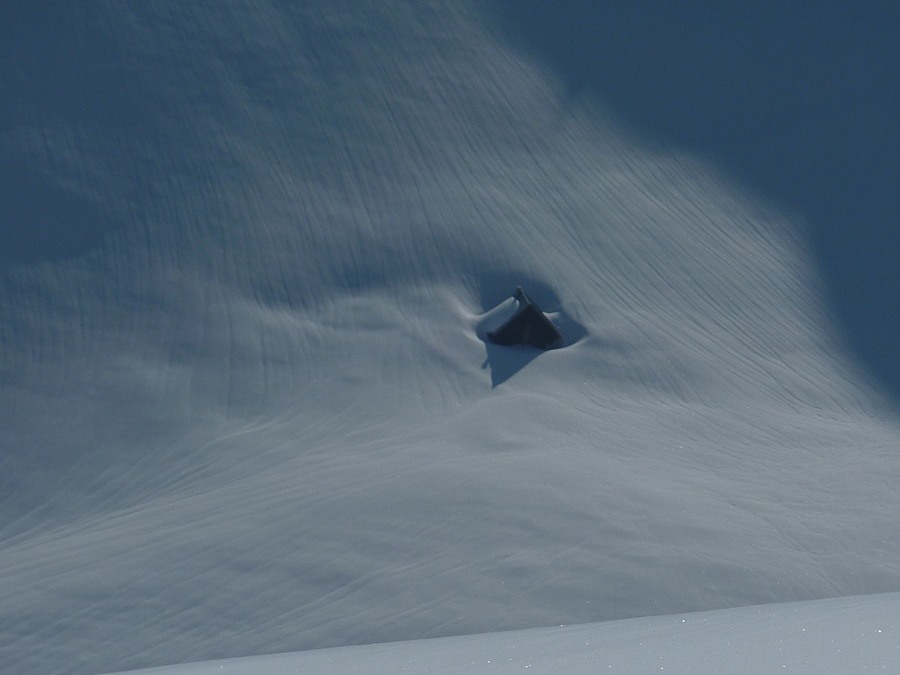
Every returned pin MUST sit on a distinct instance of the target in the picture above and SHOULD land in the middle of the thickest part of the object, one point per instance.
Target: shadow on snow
(796, 100)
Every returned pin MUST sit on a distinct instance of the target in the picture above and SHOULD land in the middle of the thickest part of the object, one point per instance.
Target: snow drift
(858, 634)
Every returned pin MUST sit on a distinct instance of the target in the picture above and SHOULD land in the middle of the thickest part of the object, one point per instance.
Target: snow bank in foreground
(843, 635)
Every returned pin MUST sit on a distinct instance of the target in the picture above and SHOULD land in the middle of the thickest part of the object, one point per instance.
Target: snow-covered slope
(844, 635)
(244, 400)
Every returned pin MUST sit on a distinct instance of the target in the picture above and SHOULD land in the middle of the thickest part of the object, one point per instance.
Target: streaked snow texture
(244, 403)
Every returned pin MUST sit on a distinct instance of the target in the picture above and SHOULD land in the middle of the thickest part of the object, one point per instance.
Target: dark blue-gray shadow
(41, 221)
(61, 69)
(495, 287)
(799, 100)
(505, 361)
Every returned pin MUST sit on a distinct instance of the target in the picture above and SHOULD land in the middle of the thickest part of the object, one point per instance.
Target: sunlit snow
(846, 635)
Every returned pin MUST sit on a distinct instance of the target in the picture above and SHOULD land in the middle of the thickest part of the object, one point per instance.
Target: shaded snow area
(249, 253)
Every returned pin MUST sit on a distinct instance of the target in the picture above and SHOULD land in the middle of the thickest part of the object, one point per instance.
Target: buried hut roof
(528, 325)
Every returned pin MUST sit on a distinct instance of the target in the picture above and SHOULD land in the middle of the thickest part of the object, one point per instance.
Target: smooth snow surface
(846, 635)
(245, 407)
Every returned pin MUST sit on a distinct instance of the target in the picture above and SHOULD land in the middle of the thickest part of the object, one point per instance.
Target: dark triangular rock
(528, 326)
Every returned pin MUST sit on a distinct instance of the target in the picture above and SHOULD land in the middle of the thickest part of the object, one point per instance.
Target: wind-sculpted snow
(801, 105)
(250, 410)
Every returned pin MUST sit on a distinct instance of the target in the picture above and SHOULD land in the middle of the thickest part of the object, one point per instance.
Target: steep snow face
(245, 402)
(799, 104)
